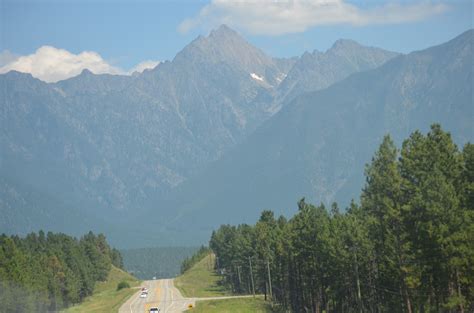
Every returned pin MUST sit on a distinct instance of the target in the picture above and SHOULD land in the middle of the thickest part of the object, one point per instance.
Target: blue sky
(125, 33)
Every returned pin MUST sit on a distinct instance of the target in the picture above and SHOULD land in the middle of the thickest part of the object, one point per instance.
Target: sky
(57, 39)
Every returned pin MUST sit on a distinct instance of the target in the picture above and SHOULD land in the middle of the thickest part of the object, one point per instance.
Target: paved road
(161, 294)
(164, 295)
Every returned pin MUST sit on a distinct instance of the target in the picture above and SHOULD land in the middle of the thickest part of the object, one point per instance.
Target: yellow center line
(149, 305)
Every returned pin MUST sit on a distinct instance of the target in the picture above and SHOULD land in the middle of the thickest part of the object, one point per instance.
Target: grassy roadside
(106, 298)
(257, 305)
(200, 280)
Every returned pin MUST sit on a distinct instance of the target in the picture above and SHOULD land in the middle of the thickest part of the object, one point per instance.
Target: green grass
(201, 280)
(242, 305)
(106, 298)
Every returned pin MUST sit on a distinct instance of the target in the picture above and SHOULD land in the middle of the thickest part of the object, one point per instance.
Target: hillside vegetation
(159, 262)
(47, 272)
(408, 246)
(238, 305)
(106, 298)
(201, 280)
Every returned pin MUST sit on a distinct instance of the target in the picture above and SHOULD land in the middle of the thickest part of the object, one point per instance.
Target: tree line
(47, 272)
(408, 246)
(189, 262)
(159, 262)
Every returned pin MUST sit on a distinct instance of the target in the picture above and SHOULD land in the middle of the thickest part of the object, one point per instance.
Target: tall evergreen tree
(382, 202)
(409, 246)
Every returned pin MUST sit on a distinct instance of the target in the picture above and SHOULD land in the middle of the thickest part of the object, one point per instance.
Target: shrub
(122, 285)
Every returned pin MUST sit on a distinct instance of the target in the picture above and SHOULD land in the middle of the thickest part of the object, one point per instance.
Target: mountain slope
(115, 143)
(112, 147)
(318, 70)
(318, 145)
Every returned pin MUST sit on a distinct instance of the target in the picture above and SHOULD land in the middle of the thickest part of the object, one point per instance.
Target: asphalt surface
(164, 295)
(161, 294)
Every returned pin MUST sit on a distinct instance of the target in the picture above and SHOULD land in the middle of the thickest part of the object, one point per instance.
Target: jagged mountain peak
(13, 74)
(334, 132)
(226, 47)
(221, 36)
(86, 71)
(88, 82)
(310, 55)
(223, 31)
(15, 80)
(343, 44)
(223, 42)
(318, 70)
(72, 138)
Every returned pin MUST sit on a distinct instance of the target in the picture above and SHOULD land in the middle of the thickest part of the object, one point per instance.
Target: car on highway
(143, 294)
(154, 310)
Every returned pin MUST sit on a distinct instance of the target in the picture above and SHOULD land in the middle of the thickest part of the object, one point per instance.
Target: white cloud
(270, 17)
(145, 65)
(51, 64)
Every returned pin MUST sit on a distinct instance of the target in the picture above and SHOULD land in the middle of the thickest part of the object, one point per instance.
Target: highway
(164, 295)
(161, 294)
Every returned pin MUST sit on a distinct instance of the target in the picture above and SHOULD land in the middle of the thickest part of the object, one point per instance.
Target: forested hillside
(159, 262)
(47, 272)
(408, 246)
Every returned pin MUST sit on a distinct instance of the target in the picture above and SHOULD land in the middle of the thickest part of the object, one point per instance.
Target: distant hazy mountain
(106, 148)
(318, 70)
(317, 147)
(113, 144)
(160, 262)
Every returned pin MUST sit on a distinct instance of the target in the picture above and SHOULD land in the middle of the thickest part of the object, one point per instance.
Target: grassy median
(106, 298)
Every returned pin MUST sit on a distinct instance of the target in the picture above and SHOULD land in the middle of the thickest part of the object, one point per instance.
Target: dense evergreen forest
(407, 247)
(159, 262)
(46, 272)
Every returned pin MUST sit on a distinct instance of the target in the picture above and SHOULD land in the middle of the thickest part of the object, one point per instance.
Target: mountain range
(317, 146)
(215, 135)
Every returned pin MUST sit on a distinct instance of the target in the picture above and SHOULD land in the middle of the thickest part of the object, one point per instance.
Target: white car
(143, 295)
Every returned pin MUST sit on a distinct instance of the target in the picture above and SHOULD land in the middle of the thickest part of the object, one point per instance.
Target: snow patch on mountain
(256, 77)
(280, 77)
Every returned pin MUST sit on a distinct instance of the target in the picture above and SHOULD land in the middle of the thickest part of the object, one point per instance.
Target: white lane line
(131, 302)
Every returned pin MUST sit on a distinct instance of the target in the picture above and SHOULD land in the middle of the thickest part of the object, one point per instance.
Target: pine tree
(382, 203)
